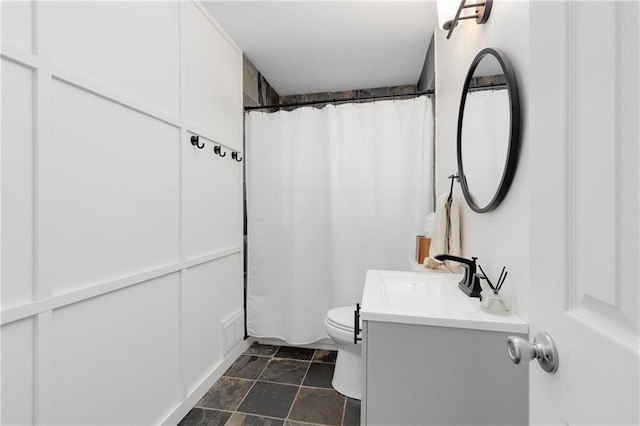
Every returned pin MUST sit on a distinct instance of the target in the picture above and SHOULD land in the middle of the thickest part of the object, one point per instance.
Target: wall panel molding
(19, 56)
(18, 174)
(54, 302)
(82, 82)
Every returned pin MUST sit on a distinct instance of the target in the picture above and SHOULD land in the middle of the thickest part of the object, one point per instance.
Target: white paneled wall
(119, 169)
(202, 292)
(17, 183)
(210, 80)
(122, 244)
(202, 233)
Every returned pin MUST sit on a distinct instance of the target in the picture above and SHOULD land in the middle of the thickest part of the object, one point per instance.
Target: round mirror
(488, 130)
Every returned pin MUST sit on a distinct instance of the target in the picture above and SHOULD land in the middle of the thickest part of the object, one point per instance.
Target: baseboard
(325, 344)
(186, 405)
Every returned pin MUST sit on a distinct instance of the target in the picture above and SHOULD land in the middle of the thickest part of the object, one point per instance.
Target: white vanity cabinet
(440, 362)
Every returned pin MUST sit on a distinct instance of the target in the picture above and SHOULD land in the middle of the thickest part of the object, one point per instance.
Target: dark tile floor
(276, 385)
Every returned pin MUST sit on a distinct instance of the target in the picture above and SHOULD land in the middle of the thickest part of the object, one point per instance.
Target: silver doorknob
(543, 349)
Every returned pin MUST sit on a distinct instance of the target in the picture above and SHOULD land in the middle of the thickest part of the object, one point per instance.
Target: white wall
(499, 238)
(121, 242)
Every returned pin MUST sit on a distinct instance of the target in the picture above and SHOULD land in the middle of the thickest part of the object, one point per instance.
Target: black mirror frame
(514, 130)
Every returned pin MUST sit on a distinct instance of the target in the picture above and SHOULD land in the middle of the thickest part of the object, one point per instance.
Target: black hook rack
(218, 150)
(236, 157)
(195, 141)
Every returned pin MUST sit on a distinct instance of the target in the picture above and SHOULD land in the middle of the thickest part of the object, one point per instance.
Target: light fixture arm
(483, 9)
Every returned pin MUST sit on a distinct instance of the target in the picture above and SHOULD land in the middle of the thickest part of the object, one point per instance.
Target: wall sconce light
(449, 13)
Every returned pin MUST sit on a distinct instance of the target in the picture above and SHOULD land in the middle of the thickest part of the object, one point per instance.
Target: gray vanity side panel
(425, 375)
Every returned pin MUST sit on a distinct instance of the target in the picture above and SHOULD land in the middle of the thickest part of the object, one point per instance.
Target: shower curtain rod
(487, 87)
(332, 101)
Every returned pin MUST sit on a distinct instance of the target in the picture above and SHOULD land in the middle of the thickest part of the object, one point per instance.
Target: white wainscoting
(130, 46)
(211, 75)
(17, 30)
(122, 251)
(213, 286)
(212, 214)
(17, 183)
(18, 356)
(120, 171)
(120, 347)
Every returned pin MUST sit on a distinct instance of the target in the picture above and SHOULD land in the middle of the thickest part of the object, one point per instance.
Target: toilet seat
(342, 318)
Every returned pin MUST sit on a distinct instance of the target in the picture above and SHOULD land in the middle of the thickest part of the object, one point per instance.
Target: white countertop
(429, 299)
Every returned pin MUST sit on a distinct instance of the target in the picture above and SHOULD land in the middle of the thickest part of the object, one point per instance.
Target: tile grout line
(243, 398)
(249, 414)
(299, 387)
(344, 410)
(295, 398)
(228, 377)
(259, 415)
(250, 389)
(282, 383)
(215, 409)
(317, 388)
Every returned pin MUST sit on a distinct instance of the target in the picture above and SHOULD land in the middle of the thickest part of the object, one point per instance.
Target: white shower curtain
(331, 193)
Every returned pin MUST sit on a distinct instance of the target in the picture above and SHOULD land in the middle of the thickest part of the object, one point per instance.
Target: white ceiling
(326, 46)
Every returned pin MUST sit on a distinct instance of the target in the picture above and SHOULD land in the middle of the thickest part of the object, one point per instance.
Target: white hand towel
(446, 230)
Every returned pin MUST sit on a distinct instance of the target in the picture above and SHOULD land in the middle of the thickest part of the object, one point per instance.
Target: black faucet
(470, 283)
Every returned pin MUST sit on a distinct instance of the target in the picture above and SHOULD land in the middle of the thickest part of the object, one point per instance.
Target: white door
(583, 118)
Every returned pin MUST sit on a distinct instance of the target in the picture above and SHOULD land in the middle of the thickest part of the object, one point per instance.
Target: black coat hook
(453, 178)
(195, 142)
(236, 157)
(218, 150)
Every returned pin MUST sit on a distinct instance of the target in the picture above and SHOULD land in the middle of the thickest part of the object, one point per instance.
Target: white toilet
(347, 377)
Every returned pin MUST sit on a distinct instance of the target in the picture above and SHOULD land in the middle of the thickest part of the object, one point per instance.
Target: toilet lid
(342, 317)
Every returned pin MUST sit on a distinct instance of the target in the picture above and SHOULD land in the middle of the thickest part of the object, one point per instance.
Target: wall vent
(233, 331)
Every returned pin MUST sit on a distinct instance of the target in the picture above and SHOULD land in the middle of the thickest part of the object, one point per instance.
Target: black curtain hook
(218, 150)
(235, 156)
(195, 141)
